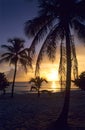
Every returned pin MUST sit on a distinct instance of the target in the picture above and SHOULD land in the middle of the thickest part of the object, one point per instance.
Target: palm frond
(39, 59)
(44, 80)
(25, 55)
(55, 33)
(48, 47)
(16, 40)
(5, 59)
(74, 59)
(80, 28)
(80, 9)
(62, 64)
(23, 63)
(32, 80)
(7, 47)
(48, 7)
(37, 81)
(51, 51)
(7, 54)
(40, 35)
(13, 59)
(17, 44)
(32, 27)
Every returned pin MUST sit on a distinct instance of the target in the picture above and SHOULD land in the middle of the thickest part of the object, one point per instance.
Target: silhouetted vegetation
(80, 81)
(16, 53)
(3, 82)
(37, 83)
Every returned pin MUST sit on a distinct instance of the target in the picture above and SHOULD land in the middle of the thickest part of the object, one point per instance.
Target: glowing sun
(53, 75)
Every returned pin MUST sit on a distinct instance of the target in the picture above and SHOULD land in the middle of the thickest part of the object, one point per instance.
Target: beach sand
(29, 112)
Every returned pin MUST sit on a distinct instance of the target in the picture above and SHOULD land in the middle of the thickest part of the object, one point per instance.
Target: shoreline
(28, 112)
(50, 86)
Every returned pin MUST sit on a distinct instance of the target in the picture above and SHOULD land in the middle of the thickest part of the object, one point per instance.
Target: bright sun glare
(53, 75)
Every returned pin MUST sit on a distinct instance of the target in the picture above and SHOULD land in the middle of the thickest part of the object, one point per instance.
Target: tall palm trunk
(61, 64)
(12, 94)
(64, 114)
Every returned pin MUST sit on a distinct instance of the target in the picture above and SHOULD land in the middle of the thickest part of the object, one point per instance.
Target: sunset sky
(13, 15)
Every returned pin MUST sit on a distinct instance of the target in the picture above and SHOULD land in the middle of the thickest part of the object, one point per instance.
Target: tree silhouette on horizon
(3, 82)
(16, 53)
(37, 83)
(80, 81)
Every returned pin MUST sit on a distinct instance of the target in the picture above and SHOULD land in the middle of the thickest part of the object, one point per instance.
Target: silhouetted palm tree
(37, 83)
(55, 21)
(3, 82)
(15, 53)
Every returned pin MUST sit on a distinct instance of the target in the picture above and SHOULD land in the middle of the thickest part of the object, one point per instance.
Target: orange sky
(48, 70)
(15, 13)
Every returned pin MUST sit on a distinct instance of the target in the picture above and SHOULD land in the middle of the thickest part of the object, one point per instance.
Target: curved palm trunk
(12, 94)
(64, 114)
(61, 64)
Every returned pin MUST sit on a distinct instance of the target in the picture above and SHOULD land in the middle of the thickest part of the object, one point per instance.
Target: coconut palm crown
(57, 20)
(15, 54)
(38, 82)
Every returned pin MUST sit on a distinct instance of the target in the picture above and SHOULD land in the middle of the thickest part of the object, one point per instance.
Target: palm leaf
(48, 47)
(7, 54)
(48, 7)
(80, 9)
(74, 59)
(32, 27)
(41, 33)
(62, 64)
(80, 28)
(8, 48)
(5, 59)
(23, 63)
(25, 59)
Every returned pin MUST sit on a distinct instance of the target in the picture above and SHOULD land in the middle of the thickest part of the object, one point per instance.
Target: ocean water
(53, 86)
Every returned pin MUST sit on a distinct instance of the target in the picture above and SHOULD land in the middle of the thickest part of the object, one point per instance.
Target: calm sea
(21, 87)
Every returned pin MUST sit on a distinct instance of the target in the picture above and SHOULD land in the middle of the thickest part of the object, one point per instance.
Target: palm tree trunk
(68, 79)
(61, 63)
(38, 92)
(4, 91)
(64, 114)
(12, 94)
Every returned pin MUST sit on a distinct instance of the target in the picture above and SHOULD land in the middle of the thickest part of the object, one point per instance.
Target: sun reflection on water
(55, 86)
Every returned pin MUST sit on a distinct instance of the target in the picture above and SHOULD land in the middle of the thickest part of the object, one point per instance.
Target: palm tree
(3, 82)
(56, 20)
(37, 82)
(16, 54)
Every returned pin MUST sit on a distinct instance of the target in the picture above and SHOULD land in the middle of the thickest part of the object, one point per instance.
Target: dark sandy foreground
(28, 112)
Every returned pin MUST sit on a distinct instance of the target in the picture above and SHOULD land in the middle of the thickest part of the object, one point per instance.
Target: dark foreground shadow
(58, 126)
